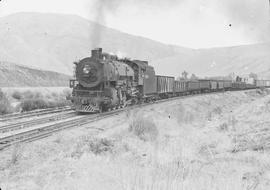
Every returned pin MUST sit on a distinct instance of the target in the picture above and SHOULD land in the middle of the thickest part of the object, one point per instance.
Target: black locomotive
(104, 82)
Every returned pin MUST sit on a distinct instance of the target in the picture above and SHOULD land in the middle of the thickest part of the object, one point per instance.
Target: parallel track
(29, 123)
(45, 131)
(17, 116)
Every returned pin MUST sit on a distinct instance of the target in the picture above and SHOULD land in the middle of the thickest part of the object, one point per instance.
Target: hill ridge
(53, 41)
(13, 75)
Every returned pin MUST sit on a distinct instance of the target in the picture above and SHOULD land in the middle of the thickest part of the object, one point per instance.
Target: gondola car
(267, 84)
(238, 85)
(165, 86)
(193, 86)
(227, 84)
(180, 87)
(220, 85)
(213, 85)
(204, 85)
(262, 83)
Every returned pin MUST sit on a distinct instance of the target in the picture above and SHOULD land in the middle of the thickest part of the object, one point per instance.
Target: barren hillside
(54, 41)
(12, 75)
(221, 61)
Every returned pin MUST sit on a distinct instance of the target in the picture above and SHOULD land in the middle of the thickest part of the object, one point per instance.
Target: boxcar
(193, 86)
(180, 86)
(165, 84)
(205, 85)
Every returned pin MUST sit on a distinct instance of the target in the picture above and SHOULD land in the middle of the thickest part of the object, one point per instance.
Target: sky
(188, 23)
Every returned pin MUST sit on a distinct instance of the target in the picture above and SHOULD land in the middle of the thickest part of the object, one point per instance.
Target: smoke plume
(104, 8)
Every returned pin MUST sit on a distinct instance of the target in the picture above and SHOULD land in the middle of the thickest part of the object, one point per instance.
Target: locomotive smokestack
(97, 53)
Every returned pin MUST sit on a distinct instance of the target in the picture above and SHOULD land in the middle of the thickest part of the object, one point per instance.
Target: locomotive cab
(144, 77)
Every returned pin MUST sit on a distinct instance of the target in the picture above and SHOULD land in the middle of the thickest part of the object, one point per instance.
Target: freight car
(267, 84)
(165, 86)
(204, 85)
(193, 86)
(180, 87)
(220, 84)
(238, 85)
(262, 83)
(213, 85)
(104, 82)
(227, 84)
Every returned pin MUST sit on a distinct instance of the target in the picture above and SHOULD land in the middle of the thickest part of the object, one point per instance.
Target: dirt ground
(216, 141)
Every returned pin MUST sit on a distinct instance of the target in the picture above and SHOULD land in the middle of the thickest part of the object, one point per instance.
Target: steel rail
(29, 123)
(17, 116)
(45, 131)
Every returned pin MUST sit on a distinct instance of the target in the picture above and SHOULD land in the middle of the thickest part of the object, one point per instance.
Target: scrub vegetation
(29, 99)
(5, 106)
(215, 141)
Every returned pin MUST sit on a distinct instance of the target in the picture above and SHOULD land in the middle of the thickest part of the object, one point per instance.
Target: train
(104, 82)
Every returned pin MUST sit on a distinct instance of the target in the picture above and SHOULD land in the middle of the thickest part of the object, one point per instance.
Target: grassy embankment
(217, 141)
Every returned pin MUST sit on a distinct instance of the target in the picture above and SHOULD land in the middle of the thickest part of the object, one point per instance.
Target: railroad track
(29, 123)
(36, 133)
(47, 130)
(17, 116)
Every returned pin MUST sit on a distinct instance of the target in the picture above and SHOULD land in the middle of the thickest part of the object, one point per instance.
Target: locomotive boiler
(104, 82)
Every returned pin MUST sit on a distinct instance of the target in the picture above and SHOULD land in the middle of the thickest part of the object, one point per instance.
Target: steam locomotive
(104, 82)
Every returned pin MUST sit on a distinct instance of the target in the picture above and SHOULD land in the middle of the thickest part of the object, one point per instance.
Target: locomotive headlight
(86, 69)
(89, 73)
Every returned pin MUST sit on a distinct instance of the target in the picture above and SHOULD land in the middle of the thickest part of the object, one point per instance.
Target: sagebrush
(40, 103)
(31, 100)
(143, 127)
(5, 106)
